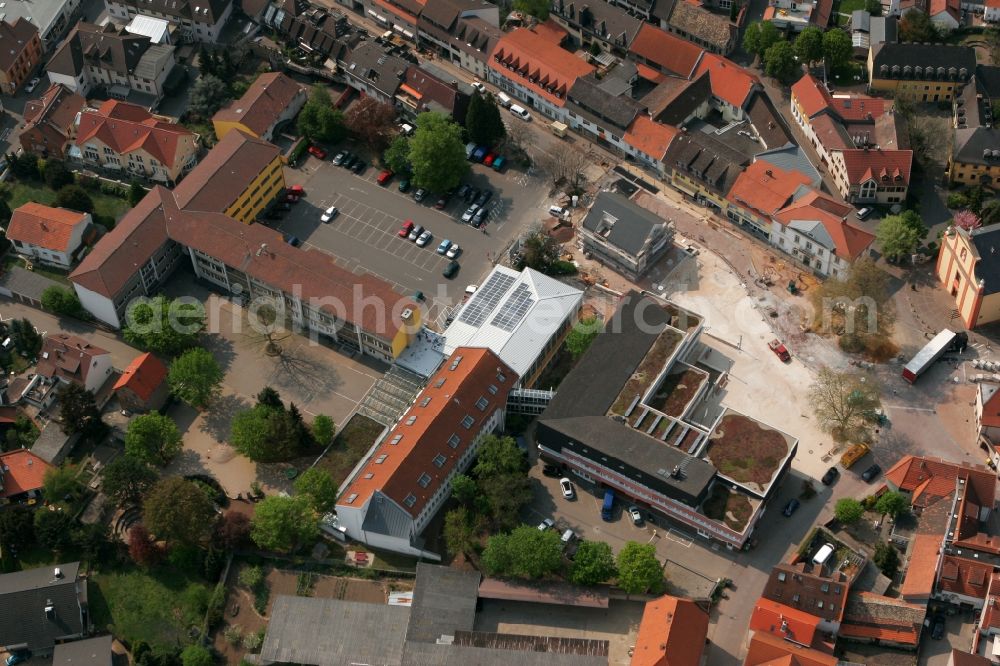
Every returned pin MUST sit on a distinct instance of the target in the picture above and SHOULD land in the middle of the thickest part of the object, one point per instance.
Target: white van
(568, 536)
(520, 112)
(558, 211)
(504, 100)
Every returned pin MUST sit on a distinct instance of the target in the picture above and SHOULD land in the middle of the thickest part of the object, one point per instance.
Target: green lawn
(12, 260)
(159, 607)
(25, 191)
(349, 446)
(848, 6)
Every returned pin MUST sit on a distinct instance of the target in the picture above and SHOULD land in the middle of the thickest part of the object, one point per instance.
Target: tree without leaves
(208, 94)
(638, 569)
(841, 400)
(126, 479)
(195, 377)
(141, 547)
(284, 523)
(893, 503)
(178, 510)
(75, 198)
(593, 563)
(372, 122)
(581, 335)
(319, 120)
(63, 302)
(897, 237)
(318, 485)
(809, 45)
(164, 326)
(780, 61)
(916, 26)
(525, 552)
(848, 511)
(928, 139)
(565, 164)
(232, 531)
(153, 438)
(437, 153)
(886, 558)
(483, 122)
(78, 413)
(53, 529)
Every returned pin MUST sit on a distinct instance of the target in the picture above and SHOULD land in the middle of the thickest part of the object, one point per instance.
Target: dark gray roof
(958, 62)
(26, 283)
(444, 601)
(860, 21)
(386, 517)
(370, 63)
(883, 29)
(970, 144)
(611, 24)
(331, 632)
(989, 78)
(444, 12)
(987, 242)
(105, 47)
(24, 597)
(88, 652)
(768, 123)
(685, 101)
(422, 654)
(663, 9)
(588, 99)
(53, 444)
(706, 159)
(633, 224)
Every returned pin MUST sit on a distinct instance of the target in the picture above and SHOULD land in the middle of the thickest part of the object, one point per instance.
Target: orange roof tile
(811, 95)
(672, 633)
(551, 31)
(768, 650)
(784, 621)
(991, 403)
(765, 188)
(854, 108)
(407, 454)
(951, 7)
(266, 98)
(922, 568)
(143, 376)
(23, 472)
(533, 60)
(730, 82)
(905, 636)
(889, 167)
(850, 241)
(649, 136)
(126, 128)
(991, 610)
(44, 226)
(666, 51)
(912, 472)
(650, 74)
(965, 577)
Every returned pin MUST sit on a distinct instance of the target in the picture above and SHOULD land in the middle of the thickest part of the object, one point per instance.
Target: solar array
(513, 311)
(485, 299)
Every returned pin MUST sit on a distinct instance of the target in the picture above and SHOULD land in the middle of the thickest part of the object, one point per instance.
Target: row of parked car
(483, 155)
(422, 237)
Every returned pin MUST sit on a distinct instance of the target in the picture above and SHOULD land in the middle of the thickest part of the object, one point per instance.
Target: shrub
(252, 641)
(233, 634)
(851, 343)
(251, 577)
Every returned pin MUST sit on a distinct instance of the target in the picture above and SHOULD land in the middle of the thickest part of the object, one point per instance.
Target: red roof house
(142, 386)
(46, 234)
(533, 60)
(672, 633)
(21, 474)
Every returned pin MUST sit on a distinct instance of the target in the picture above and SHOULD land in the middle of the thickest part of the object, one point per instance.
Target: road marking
(912, 409)
(681, 540)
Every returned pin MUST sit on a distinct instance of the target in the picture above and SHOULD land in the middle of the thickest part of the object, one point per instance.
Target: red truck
(779, 350)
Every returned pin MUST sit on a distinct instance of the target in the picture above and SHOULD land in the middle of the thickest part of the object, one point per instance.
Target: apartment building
(864, 175)
(625, 236)
(52, 18)
(920, 72)
(464, 32)
(199, 21)
(611, 27)
(272, 100)
(20, 55)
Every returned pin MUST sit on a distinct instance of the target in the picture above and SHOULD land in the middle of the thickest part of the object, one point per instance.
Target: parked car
(830, 476)
(463, 189)
(479, 153)
(499, 163)
(339, 158)
(484, 196)
(384, 177)
(20, 655)
(635, 515)
(404, 185)
(297, 191)
(359, 167)
(488, 160)
(329, 214)
(480, 87)
(479, 219)
(471, 194)
(779, 350)
(558, 211)
(442, 201)
(453, 251)
(546, 524)
(469, 149)
(293, 240)
(450, 270)
(937, 627)
(520, 112)
(871, 473)
(419, 195)
(406, 129)
(567, 536)
(443, 246)
(407, 227)
(567, 488)
(291, 198)
(471, 289)
(349, 159)
(790, 508)
(316, 151)
(865, 212)
(469, 212)
(553, 471)
(32, 84)
(424, 238)
(415, 232)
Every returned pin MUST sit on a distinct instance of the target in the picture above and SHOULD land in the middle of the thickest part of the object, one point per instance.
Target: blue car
(499, 163)
(18, 657)
(479, 154)
(443, 247)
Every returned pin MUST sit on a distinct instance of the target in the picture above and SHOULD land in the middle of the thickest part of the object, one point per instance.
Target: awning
(410, 91)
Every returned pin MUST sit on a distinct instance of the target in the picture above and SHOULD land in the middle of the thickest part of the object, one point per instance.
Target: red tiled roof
(811, 95)
(784, 621)
(67, 357)
(855, 108)
(965, 577)
(143, 376)
(650, 74)
(408, 451)
(959, 658)
(922, 567)
(23, 472)
(672, 633)
(551, 31)
(225, 172)
(850, 241)
(908, 636)
(991, 405)
(765, 188)
(769, 650)
(670, 53)
(126, 128)
(537, 63)
(49, 119)
(649, 136)
(730, 82)
(993, 4)
(935, 478)
(265, 99)
(830, 133)
(44, 226)
(991, 610)
(951, 7)
(890, 167)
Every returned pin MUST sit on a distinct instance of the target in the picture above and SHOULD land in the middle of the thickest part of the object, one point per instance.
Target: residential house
(70, 359)
(599, 22)
(789, 625)
(988, 418)
(920, 72)
(425, 90)
(759, 192)
(797, 16)
(52, 18)
(648, 142)
(198, 21)
(602, 108)
(20, 55)
(531, 65)
(104, 56)
(991, 11)
(864, 175)
(922, 569)
(159, 31)
(659, 54)
(733, 87)
(860, 31)
(819, 590)
(945, 14)
(968, 266)
(704, 167)
(625, 236)
(315, 29)
(272, 100)
(766, 649)
(710, 30)
(814, 230)
(463, 32)
(373, 71)
(142, 387)
(959, 658)
(880, 620)
(42, 607)
(22, 474)
(672, 633)
(48, 235)
(84, 652)
(988, 625)
(397, 491)
(974, 156)
(50, 121)
(127, 138)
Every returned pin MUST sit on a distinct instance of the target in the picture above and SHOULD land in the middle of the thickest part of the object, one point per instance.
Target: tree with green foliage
(504, 495)
(269, 397)
(581, 335)
(61, 484)
(54, 529)
(837, 48)
(397, 155)
(809, 45)
(759, 37)
(284, 523)
(75, 198)
(22, 435)
(539, 251)
(498, 456)
(525, 552)
(91, 541)
(917, 26)
(873, 7)
(265, 434)
(63, 302)
(17, 528)
(26, 338)
(638, 568)
(323, 429)
(464, 489)
(459, 532)
(779, 61)
(23, 165)
(593, 563)
(319, 120)
(897, 237)
(319, 486)
(483, 122)
(153, 438)
(841, 401)
(57, 176)
(437, 153)
(196, 655)
(893, 503)
(537, 8)
(848, 510)
(207, 96)
(136, 193)
(127, 479)
(78, 413)
(886, 558)
(195, 377)
(164, 326)
(178, 510)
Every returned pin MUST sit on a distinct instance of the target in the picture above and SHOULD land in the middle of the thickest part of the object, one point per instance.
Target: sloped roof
(649, 136)
(768, 650)
(538, 63)
(126, 128)
(811, 95)
(922, 568)
(22, 472)
(966, 577)
(884, 166)
(783, 621)
(44, 226)
(849, 241)
(990, 396)
(672, 633)
(57, 106)
(698, 21)
(808, 588)
(928, 478)
(765, 188)
(669, 52)
(143, 376)
(100, 46)
(86, 652)
(205, 11)
(730, 82)
(225, 172)
(67, 357)
(951, 7)
(14, 37)
(23, 598)
(632, 225)
(869, 615)
(266, 98)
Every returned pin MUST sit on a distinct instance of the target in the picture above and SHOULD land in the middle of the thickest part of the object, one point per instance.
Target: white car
(520, 112)
(567, 488)
(423, 239)
(469, 212)
(633, 512)
(32, 84)
(471, 289)
(329, 214)
(480, 87)
(415, 232)
(453, 251)
(546, 524)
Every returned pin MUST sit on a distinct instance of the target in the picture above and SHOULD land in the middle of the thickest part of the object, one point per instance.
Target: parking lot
(364, 236)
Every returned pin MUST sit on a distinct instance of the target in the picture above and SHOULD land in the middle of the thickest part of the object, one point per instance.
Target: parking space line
(681, 540)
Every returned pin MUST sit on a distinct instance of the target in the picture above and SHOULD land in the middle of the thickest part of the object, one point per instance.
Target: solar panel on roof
(513, 311)
(485, 299)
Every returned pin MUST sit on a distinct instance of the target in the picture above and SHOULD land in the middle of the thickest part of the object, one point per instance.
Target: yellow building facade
(965, 261)
(264, 188)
